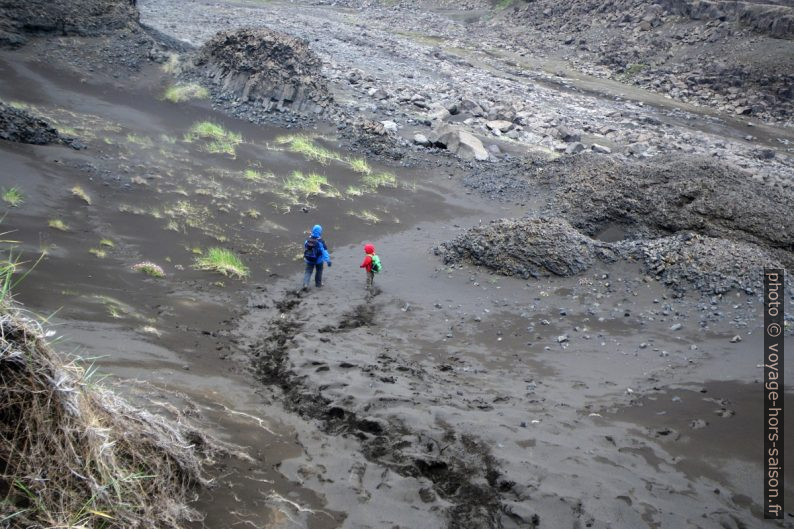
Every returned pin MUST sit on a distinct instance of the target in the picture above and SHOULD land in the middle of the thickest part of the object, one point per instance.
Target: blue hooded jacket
(317, 233)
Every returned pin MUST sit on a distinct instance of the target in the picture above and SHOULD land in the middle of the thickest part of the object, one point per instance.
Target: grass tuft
(222, 261)
(80, 193)
(306, 146)
(58, 224)
(366, 216)
(360, 165)
(13, 196)
(304, 185)
(185, 92)
(257, 176)
(172, 65)
(219, 140)
(150, 269)
(98, 252)
(376, 180)
(107, 243)
(143, 141)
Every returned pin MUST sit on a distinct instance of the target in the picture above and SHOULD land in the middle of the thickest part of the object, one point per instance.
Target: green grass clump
(376, 180)
(150, 269)
(253, 213)
(13, 197)
(366, 216)
(634, 69)
(98, 252)
(58, 224)
(354, 191)
(306, 146)
(220, 140)
(185, 92)
(143, 141)
(256, 176)
(80, 193)
(207, 130)
(360, 165)
(107, 243)
(306, 185)
(172, 65)
(222, 261)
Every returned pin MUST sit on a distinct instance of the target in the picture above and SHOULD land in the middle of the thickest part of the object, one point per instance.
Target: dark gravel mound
(707, 264)
(662, 196)
(20, 126)
(20, 19)
(528, 247)
(271, 69)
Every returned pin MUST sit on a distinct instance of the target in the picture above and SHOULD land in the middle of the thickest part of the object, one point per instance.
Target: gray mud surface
(582, 350)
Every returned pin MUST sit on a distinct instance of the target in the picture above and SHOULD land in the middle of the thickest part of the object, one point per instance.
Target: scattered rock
(421, 139)
(500, 125)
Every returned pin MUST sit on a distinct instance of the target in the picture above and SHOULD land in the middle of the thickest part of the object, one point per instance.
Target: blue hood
(317, 231)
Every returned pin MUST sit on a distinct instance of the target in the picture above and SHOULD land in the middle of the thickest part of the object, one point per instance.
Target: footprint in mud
(357, 472)
(361, 316)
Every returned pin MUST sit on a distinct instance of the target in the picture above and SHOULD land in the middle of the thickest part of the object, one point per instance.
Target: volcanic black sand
(465, 391)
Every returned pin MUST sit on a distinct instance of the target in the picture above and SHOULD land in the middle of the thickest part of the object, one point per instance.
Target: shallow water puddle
(692, 426)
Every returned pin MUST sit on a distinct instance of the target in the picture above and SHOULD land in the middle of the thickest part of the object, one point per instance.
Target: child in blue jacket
(315, 254)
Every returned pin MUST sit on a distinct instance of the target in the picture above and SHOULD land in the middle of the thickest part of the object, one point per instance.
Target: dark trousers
(318, 277)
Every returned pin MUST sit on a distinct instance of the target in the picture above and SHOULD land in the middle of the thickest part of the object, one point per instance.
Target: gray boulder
(462, 143)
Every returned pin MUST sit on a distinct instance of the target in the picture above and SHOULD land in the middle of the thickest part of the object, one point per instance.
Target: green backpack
(376, 266)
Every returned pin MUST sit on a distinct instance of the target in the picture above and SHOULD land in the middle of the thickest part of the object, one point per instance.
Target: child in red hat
(371, 264)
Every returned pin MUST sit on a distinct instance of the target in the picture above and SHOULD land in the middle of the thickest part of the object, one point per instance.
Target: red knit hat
(369, 248)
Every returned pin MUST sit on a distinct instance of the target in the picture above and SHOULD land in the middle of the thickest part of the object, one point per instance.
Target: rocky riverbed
(564, 247)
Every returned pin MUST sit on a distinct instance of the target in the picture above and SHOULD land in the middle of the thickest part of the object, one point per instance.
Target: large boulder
(274, 70)
(460, 142)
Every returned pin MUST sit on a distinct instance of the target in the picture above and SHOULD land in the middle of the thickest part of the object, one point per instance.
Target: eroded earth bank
(572, 216)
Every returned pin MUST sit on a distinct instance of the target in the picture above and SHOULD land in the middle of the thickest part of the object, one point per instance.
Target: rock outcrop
(21, 19)
(262, 66)
(20, 126)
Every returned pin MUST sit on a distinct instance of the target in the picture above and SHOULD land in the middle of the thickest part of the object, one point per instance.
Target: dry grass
(58, 224)
(74, 454)
(185, 92)
(80, 193)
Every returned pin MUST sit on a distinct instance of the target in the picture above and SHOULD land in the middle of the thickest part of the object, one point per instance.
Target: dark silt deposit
(524, 247)
(669, 194)
(270, 69)
(535, 247)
